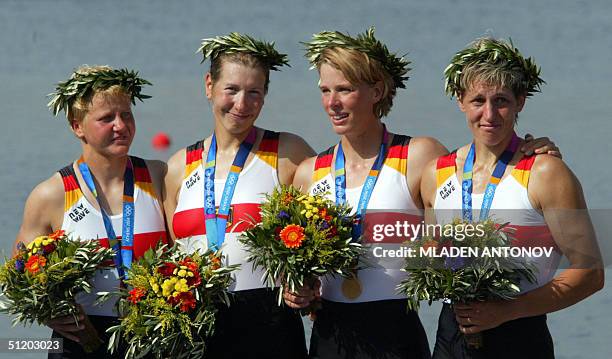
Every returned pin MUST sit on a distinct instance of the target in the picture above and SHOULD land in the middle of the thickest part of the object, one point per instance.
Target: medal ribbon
(368, 185)
(498, 172)
(216, 223)
(123, 250)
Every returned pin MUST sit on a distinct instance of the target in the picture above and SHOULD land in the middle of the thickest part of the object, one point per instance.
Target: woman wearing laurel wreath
(105, 194)
(536, 194)
(371, 168)
(232, 169)
(363, 317)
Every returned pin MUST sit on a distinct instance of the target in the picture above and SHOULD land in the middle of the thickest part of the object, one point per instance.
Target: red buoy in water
(161, 141)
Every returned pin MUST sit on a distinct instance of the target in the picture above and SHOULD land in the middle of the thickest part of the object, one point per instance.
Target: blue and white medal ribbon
(216, 223)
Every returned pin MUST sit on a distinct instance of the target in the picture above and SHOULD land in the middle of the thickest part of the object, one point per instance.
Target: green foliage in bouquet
(169, 308)
(464, 279)
(39, 283)
(301, 237)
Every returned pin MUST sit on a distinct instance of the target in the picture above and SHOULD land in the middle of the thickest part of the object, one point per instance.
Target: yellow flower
(181, 285)
(182, 273)
(168, 286)
(154, 285)
(38, 240)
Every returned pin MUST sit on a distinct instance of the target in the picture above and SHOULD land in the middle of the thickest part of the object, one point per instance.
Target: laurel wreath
(80, 85)
(236, 42)
(395, 65)
(500, 53)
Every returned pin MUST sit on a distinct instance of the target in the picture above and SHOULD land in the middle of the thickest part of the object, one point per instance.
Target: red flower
(48, 248)
(136, 294)
(292, 236)
(333, 231)
(189, 263)
(166, 269)
(194, 281)
(57, 235)
(35, 263)
(185, 299)
(277, 231)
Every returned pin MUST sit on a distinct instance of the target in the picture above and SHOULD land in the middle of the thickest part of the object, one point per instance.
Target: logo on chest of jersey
(78, 213)
(321, 187)
(446, 190)
(193, 179)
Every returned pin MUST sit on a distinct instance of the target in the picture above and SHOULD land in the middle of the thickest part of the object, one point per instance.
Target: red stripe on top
(142, 242)
(191, 222)
(398, 151)
(194, 155)
(324, 161)
(446, 160)
(525, 163)
(269, 143)
(70, 183)
(141, 174)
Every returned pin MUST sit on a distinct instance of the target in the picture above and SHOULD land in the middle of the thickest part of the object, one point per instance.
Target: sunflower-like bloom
(35, 263)
(292, 236)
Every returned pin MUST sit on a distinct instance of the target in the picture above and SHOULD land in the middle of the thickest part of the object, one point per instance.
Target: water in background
(43, 41)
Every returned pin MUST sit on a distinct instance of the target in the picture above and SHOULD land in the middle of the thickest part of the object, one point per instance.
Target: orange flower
(189, 263)
(215, 262)
(292, 235)
(136, 294)
(57, 235)
(287, 199)
(430, 244)
(35, 263)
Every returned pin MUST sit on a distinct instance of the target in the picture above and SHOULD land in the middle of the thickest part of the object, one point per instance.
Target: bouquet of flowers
(39, 283)
(169, 307)
(464, 266)
(299, 238)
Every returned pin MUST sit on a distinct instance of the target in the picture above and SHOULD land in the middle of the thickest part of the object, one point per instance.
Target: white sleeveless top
(510, 204)
(256, 179)
(391, 201)
(83, 220)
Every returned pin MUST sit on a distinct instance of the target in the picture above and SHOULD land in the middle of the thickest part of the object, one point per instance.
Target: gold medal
(351, 287)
